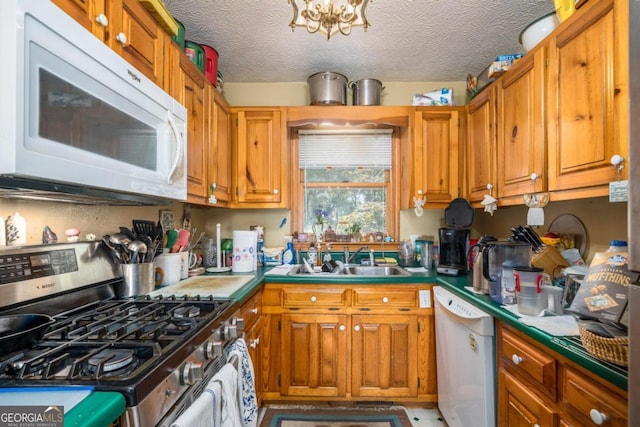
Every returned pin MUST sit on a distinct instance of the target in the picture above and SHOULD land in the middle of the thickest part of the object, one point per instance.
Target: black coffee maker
(454, 238)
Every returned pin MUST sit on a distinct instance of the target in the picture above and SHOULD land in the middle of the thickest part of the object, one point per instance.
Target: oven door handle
(177, 167)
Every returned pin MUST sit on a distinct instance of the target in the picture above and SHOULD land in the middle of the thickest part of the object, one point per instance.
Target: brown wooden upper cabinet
(260, 156)
(562, 113)
(219, 157)
(480, 148)
(587, 99)
(126, 27)
(435, 156)
(520, 131)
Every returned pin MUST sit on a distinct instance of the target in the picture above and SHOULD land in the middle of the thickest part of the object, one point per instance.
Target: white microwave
(76, 118)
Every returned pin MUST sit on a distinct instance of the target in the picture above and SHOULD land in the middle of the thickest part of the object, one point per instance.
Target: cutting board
(68, 397)
(216, 286)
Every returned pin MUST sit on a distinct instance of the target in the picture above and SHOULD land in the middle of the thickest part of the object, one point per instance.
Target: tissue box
(442, 97)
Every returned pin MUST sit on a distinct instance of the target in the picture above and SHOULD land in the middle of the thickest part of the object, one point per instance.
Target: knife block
(549, 259)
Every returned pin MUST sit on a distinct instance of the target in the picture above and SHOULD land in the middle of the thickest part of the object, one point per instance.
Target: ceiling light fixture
(330, 16)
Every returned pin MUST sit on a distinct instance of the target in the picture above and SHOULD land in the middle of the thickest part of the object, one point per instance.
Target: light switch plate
(425, 298)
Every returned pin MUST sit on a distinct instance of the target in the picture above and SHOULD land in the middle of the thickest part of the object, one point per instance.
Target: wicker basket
(614, 350)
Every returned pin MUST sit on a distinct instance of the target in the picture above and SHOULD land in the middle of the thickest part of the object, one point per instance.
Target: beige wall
(297, 93)
(603, 221)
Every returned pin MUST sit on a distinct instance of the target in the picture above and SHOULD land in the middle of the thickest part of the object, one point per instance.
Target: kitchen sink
(367, 270)
(353, 270)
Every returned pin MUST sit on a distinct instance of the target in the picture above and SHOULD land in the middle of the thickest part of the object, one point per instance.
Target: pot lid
(459, 214)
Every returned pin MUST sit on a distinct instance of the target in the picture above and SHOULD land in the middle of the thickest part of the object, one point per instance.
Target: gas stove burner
(188, 311)
(111, 360)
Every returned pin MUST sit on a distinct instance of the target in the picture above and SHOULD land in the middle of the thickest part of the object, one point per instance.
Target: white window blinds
(340, 149)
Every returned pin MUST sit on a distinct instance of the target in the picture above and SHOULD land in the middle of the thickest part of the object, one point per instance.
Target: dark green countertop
(99, 409)
(569, 347)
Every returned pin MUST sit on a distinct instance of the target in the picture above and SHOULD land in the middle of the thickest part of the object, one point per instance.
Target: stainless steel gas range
(159, 352)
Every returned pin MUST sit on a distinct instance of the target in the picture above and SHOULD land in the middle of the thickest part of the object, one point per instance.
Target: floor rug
(335, 417)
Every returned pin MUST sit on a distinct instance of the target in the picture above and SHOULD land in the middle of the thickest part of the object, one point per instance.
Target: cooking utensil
(182, 241)
(19, 331)
(327, 88)
(127, 232)
(136, 247)
(144, 227)
(366, 91)
(172, 237)
(106, 240)
(120, 241)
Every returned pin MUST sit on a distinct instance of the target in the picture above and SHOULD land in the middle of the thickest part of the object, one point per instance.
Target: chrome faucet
(351, 258)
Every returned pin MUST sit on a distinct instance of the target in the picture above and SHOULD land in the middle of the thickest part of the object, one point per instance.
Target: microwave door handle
(179, 150)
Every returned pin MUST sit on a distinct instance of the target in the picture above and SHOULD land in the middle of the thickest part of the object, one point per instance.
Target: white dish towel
(199, 414)
(227, 378)
(247, 401)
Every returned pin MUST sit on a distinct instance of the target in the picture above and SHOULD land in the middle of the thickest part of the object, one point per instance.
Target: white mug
(168, 268)
(188, 260)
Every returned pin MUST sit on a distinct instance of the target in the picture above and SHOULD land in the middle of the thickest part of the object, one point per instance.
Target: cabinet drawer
(520, 407)
(314, 298)
(251, 310)
(387, 297)
(586, 400)
(532, 363)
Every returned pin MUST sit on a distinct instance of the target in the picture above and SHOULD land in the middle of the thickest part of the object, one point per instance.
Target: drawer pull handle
(314, 298)
(254, 343)
(122, 38)
(356, 328)
(597, 417)
(385, 300)
(102, 20)
(516, 359)
(254, 310)
(536, 425)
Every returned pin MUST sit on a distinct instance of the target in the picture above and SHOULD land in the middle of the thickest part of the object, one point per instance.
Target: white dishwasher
(465, 354)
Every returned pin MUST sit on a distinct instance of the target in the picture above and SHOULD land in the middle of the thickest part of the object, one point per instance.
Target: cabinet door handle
(342, 327)
(516, 359)
(356, 328)
(102, 20)
(122, 38)
(276, 191)
(254, 310)
(314, 298)
(597, 417)
(254, 343)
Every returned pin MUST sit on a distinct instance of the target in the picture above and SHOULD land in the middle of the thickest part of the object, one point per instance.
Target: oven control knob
(231, 332)
(192, 373)
(239, 322)
(213, 349)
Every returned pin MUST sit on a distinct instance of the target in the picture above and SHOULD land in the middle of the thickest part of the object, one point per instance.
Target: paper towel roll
(244, 251)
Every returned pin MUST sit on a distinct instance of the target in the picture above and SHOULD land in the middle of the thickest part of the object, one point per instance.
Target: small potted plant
(354, 232)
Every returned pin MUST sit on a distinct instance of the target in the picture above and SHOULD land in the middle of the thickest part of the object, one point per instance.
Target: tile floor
(425, 417)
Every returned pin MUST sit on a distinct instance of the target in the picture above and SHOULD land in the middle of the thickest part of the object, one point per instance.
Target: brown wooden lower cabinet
(324, 343)
(539, 387)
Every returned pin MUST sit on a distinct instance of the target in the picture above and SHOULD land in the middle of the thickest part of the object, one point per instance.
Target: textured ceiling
(421, 40)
